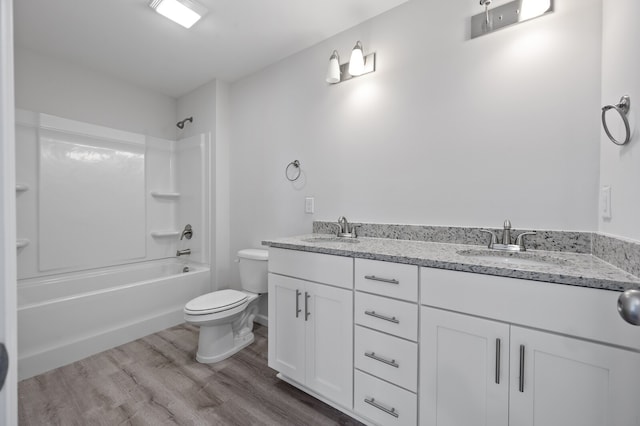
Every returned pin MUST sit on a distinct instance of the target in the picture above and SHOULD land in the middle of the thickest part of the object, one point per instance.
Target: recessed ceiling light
(183, 12)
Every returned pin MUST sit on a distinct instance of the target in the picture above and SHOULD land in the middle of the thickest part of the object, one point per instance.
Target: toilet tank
(253, 270)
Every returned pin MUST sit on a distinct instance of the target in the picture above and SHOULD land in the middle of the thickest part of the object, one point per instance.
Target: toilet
(225, 317)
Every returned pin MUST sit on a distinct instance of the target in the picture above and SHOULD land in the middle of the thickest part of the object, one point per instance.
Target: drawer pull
(391, 411)
(498, 361)
(384, 280)
(298, 310)
(382, 317)
(373, 355)
(521, 379)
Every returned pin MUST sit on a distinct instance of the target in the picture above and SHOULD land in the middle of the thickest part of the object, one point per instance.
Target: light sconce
(508, 14)
(358, 65)
(183, 12)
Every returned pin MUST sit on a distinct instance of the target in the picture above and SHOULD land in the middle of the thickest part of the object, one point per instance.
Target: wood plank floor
(156, 381)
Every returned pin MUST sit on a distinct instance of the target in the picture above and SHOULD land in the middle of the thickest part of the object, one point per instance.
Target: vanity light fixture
(183, 12)
(357, 66)
(333, 73)
(356, 63)
(507, 14)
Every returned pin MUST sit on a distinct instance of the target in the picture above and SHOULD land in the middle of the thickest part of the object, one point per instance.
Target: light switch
(605, 200)
(309, 204)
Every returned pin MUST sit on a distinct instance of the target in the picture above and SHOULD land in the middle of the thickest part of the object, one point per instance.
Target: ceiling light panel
(183, 12)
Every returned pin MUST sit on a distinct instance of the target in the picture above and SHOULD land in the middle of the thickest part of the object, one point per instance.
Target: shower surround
(90, 200)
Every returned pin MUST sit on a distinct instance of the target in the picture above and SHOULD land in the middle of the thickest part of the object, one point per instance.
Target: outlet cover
(309, 205)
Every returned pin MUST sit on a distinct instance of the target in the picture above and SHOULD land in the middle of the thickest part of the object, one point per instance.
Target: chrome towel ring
(296, 172)
(623, 109)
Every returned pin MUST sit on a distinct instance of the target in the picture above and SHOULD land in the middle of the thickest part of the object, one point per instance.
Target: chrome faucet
(345, 229)
(183, 252)
(506, 239)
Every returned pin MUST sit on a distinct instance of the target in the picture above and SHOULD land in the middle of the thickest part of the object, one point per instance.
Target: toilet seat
(217, 301)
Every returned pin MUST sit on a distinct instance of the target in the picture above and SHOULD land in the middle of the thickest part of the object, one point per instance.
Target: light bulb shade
(356, 64)
(533, 8)
(183, 12)
(333, 72)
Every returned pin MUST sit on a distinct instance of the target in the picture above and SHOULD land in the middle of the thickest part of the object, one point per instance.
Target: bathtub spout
(183, 252)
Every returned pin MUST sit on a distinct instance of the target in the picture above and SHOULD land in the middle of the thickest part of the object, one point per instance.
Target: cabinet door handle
(373, 355)
(498, 361)
(384, 280)
(521, 379)
(390, 411)
(306, 306)
(298, 310)
(382, 317)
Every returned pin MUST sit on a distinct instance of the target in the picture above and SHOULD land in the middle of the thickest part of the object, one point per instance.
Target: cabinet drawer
(388, 315)
(322, 268)
(387, 357)
(387, 279)
(382, 402)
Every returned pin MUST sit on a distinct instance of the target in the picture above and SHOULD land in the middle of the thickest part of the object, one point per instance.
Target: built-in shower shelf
(22, 242)
(166, 195)
(164, 234)
(22, 187)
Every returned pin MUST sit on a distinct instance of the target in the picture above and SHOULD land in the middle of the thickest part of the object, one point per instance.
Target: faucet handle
(520, 240)
(494, 238)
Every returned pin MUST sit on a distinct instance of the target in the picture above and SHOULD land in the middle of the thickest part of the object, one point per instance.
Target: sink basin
(330, 239)
(512, 258)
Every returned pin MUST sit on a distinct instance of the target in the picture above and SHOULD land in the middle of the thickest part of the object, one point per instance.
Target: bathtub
(67, 317)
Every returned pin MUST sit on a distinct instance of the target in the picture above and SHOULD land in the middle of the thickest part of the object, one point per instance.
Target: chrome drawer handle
(382, 317)
(373, 355)
(384, 280)
(298, 310)
(391, 411)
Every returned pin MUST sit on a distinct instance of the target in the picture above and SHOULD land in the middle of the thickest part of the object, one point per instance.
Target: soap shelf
(22, 187)
(164, 234)
(166, 195)
(22, 242)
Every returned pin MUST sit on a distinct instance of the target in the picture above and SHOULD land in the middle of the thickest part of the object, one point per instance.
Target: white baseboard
(262, 320)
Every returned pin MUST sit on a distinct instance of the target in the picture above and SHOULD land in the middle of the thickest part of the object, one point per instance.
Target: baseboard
(262, 320)
(40, 362)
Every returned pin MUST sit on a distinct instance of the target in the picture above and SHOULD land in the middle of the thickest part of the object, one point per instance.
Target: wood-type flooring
(155, 381)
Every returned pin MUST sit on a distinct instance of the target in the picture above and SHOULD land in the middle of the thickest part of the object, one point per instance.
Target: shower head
(180, 124)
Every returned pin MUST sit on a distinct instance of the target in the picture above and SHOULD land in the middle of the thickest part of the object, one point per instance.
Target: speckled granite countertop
(582, 270)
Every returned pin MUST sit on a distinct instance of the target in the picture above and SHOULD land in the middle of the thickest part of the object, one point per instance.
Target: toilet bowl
(225, 317)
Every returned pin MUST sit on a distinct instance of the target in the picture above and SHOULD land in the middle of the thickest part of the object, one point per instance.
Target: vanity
(396, 332)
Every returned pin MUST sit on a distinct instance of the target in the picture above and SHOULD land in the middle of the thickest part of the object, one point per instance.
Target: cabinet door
(567, 381)
(464, 370)
(287, 326)
(329, 342)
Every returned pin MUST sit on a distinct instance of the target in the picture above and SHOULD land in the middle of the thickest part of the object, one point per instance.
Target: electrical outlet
(309, 205)
(605, 202)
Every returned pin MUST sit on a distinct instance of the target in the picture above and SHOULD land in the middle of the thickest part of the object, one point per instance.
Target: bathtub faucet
(183, 252)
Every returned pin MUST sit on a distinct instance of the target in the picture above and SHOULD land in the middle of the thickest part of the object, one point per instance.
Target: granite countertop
(582, 270)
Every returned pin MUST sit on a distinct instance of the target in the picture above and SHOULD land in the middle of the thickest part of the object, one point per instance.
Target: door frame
(8, 298)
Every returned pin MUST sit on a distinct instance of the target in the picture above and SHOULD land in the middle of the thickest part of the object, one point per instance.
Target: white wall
(620, 166)
(447, 131)
(208, 107)
(56, 87)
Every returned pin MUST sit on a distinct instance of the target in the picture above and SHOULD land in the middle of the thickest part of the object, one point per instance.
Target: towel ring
(623, 109)
(296, 164)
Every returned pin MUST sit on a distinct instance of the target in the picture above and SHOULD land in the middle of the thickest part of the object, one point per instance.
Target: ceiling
(128, 40)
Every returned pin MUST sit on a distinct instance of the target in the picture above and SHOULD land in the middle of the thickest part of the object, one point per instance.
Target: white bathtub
(67, 317)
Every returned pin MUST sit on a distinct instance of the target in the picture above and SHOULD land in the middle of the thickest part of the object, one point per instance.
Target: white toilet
(225, 317)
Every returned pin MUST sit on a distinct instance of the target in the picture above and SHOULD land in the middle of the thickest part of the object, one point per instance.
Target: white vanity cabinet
(311, 322)
(386, 342)
(493, 363)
